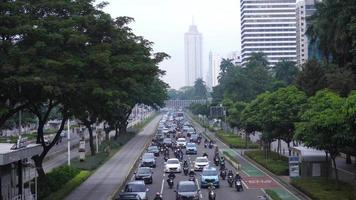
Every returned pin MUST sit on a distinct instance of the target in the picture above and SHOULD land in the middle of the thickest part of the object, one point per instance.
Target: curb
(289, 186)
(135, 164)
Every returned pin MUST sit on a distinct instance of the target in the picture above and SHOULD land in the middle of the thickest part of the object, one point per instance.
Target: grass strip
(69, 186)
(320, 188)
(235, 141)
(273, 195)
(275, 163)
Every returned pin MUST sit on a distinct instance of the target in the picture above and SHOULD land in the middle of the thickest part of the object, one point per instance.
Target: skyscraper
(268, 26)
(305, 9)
(193, 55)
(209, 77)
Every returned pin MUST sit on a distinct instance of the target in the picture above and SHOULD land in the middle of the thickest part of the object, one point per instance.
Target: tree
(323, 125)
(285, 71)
(200, 91)
(312, 77)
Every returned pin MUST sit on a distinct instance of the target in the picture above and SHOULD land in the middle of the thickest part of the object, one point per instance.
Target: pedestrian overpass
(183, 103)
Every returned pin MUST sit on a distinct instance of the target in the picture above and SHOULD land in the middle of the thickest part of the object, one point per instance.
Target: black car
(145, 174)
(154, 150)
(187, 190)
(148, 160)
(167, 142)
(129, 197)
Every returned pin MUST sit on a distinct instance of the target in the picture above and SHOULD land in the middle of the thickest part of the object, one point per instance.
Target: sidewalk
(106, 180)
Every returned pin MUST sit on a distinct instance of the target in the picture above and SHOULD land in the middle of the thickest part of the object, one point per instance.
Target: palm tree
(286, 71)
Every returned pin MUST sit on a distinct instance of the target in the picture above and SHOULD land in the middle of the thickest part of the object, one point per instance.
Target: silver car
(136, 187)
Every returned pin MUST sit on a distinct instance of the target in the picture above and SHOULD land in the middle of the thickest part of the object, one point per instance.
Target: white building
(235, 56)
(268, 26)
(304, 9)
(193, 55)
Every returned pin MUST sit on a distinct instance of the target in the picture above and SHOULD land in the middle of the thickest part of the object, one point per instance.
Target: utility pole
(68, 142)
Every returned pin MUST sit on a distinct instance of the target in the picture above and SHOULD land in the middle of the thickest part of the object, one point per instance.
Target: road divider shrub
(275, 162)
(235, 141)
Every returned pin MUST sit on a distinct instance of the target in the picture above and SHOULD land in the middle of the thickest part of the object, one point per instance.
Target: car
(187, 190)
(209, 175)
(165, 130)
(167, 142)
(145, 174)
(172, 165)
(136, 187)
(191, 148)
(186, 128)
(194, 138)
(154, 150)
(148, 160)
(191, 131)
(200, 163)
(181, 142)
(125, 196)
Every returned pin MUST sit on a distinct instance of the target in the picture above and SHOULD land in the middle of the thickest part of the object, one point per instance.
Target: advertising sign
(294, 166)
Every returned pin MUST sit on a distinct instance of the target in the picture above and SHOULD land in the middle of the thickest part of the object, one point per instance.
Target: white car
(200, 163)
(172, 165)
(181, 142)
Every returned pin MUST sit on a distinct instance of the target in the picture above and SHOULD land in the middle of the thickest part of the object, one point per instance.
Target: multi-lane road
(224, 192)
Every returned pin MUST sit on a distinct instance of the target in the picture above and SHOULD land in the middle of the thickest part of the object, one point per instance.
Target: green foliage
(285, 71)
(53, 180)
(69, 186)
(275, 163)
(323, 189)
(198, 91)
(234, 141)
(199, 109)
(312, 77)
(273, 194)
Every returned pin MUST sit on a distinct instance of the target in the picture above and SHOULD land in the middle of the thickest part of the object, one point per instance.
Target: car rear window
(135, 188)
(187, 188)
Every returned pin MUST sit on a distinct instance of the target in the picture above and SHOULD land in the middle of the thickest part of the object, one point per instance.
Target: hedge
(235, 141)
(319, 188)
(275, 163)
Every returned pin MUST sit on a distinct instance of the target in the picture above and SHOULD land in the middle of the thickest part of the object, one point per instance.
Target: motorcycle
(205, 145)
(222, 165)
(198, 141)
(238, 185)
(216, 161)
(165, 158)
(170, 183)
(212, 194)
(230, 180)
(211, 145)
(185, 170)
(223, 174)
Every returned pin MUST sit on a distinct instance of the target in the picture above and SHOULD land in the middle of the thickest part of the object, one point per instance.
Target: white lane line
(162, 187)
(243, 183)
(200, 193)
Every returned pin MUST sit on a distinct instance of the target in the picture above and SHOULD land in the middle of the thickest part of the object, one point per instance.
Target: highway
(224, 192)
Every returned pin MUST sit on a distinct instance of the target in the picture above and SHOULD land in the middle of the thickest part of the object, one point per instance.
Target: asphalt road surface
(224, 192)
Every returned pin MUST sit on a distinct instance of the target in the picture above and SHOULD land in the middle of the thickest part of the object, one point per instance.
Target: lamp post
(68, 141)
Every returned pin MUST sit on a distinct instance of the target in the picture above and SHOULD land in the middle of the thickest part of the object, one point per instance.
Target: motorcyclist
(206, 140)
(222, 159)
(237, 176)
(230, 173)
(205, 154)
(191, 173)
(172, 175)
(185, 163)
(158, 196)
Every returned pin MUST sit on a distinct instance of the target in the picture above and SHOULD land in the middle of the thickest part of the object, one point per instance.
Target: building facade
(235, 56)
(268, 26)
(304, 9)
(193, 55)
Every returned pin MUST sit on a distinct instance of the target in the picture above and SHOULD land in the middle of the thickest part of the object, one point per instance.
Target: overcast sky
(164, 22)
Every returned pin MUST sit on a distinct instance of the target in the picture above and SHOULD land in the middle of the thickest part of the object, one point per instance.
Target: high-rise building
(268, 26)
(209, 76)
(193, 55)
(235, 56)
(214, 70)
(304, 9)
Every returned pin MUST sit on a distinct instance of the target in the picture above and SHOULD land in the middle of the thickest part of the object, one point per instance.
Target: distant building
(193, 55)
(268, 26)
(214, 65)
(305, 49)
(209, 75)
(235, 56)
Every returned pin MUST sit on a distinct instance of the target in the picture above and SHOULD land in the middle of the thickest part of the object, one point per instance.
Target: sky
(164, 23)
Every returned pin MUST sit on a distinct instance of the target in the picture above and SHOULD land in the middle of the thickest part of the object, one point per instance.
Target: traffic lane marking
(260, 182)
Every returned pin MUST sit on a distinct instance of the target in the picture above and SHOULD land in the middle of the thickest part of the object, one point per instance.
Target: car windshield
(144, 171)
(181, 140)
(152, 148)
(210, 173)
(187, 188)
(172, 162)
(202, 160)
(135, 188)
(148, 156)
(190, 145)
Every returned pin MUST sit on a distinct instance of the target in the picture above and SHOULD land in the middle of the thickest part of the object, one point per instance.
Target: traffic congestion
(180, 163)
